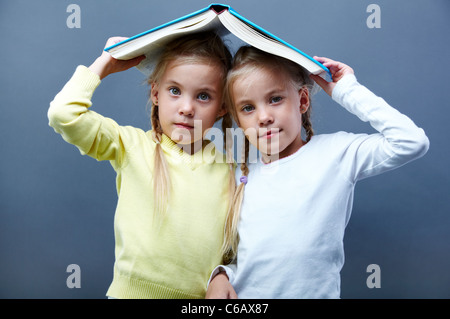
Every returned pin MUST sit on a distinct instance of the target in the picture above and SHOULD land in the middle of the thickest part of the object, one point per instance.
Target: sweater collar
(207, 154)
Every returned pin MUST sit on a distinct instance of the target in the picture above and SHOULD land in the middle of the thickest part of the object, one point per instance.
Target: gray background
(57, 207)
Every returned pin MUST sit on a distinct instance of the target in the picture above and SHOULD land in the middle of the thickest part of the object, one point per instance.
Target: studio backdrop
(57, 207)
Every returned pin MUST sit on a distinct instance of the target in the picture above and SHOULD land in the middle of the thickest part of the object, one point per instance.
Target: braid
(156, 126)
(244, 167)
(227, 123)
(230, 245)
(307, 125)
(161, 180)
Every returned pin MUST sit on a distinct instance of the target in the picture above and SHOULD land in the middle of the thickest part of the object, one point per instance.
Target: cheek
(164, 119)
(291, 120)
(250, 131)
(244, 122)
(209, 116)
(162, 115)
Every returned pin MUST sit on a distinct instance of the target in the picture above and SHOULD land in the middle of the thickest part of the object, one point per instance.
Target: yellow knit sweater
(169, 260)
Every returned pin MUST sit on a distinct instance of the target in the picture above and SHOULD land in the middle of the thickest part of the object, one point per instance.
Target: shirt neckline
(287, 158)
(200, 157)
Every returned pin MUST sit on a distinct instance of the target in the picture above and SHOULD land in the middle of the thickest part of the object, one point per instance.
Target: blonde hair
(199, 48)
(247, 60)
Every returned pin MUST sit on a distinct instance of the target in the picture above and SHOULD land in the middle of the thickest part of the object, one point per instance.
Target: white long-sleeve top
(295, 210)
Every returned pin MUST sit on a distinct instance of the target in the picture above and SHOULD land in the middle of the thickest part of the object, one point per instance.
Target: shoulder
(133, 133)
(340, 144)
(131, 137)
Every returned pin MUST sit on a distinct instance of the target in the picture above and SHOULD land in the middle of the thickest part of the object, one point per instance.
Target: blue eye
(248, 108)
(174, 91)
(203, 97)
(276, 99)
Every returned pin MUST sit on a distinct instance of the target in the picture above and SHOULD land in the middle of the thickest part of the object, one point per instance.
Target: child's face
(190, 100)
(269, 110)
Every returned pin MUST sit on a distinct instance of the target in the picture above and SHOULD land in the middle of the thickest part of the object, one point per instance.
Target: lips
(270, 133)
(184, 125)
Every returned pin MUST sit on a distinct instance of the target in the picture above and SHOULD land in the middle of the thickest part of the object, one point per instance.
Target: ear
(154, 93)
(304, 99)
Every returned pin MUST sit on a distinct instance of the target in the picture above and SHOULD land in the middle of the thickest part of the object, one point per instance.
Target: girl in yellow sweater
(173, 197)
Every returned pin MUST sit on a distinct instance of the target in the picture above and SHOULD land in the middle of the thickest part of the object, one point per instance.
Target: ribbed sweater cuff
(85, 80)
(124, 287)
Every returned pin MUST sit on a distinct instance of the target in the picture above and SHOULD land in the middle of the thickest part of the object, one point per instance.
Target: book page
(143, 43)
(251, 35)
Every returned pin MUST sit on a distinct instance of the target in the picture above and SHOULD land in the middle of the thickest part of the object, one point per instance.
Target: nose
(264, 117)
(186, 108)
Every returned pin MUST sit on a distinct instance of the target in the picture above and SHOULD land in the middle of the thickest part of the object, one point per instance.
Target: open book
(224, 20)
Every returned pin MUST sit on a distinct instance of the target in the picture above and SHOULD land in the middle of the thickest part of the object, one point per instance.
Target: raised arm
(70, 116)
(399, 140)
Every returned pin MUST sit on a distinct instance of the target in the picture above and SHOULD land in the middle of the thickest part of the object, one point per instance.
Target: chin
(270, 150)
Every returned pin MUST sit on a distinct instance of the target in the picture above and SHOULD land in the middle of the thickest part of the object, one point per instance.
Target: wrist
(100, 67)
(222, 274)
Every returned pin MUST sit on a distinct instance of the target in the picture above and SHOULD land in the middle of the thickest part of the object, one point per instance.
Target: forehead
(258, 80)
(193, 72)
(200, 63)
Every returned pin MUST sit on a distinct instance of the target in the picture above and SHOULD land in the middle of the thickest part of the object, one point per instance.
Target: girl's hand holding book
(337, 69)
(105, 64)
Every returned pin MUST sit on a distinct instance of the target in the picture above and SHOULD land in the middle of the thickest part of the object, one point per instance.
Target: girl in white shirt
(285, 237)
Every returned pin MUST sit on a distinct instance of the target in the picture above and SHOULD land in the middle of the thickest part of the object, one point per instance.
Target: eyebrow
(242, 102)
(277, 91)
(207, 88)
